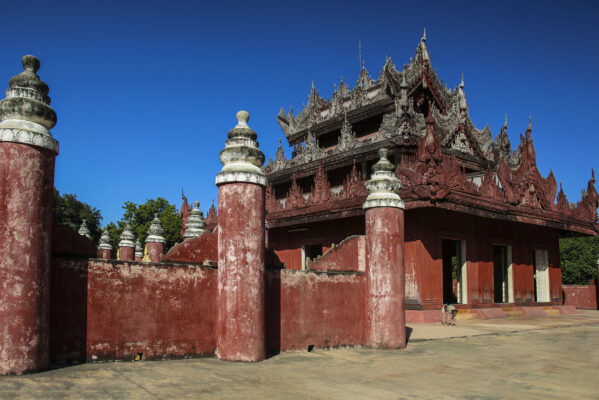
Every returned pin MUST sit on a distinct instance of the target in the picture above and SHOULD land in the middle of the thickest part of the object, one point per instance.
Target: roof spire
(462, 82)
(529, 129)
(424, 35)
(505, 123)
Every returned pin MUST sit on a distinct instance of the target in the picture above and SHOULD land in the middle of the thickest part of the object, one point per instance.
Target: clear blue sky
(145, 91)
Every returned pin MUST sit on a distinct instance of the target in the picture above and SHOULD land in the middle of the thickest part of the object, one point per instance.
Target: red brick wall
(581, 296)
(160, 310)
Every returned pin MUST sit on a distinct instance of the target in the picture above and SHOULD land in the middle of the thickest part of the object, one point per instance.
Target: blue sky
(145, 92)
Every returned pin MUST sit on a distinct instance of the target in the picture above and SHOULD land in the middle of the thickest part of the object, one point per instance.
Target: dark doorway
(453, 272)
(501, 281)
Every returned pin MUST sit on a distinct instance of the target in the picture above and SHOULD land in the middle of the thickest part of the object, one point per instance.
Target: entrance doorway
(503, 288)
(454, 272)
(541, 261)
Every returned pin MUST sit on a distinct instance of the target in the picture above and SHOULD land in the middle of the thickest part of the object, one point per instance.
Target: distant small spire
(505, 123)
(313, 85)
(424, 35)
(529, 129)
(84, 230)
(462, 82)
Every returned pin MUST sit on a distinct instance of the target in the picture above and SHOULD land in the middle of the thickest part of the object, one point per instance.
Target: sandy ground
(545, 357)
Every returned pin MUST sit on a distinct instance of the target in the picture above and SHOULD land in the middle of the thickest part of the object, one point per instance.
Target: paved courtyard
(545, 357)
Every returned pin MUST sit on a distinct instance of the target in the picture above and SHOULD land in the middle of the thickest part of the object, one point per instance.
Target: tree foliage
(140, 216)
(68, 211)
(578, 259)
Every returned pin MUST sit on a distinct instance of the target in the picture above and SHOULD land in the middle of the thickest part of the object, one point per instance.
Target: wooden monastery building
(481, 223)
(392, 205)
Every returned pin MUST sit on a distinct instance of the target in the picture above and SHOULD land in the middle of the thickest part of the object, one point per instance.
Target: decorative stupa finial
(424, 35)
(155, 231)
(27, 108)
(505, 123)
(383, 186)
(241, 157)
(105, 242)
(139, 250)
(195, 225)
(83, 229)
(529, 123)
(127, 237)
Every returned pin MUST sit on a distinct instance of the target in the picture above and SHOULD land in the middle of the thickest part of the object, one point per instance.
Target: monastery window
(541, 261)
(455, 273)
(503, 286)
(310, 251)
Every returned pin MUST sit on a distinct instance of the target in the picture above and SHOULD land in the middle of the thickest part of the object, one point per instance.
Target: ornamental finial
(25, 113)
(505, 123)
(155, 231)
(241, 157)
(243, 117)
(30, 63)
(424, 35)
(383, 186)
(127, 237)
(105, 242)
(195, 223)
(84, 230)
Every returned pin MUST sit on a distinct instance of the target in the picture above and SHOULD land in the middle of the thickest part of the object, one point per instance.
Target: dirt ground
(547, 357)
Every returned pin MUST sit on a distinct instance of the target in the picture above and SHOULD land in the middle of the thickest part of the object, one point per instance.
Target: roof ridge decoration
(212, 217)
(451, 112)
(25, 112)
(195, 223)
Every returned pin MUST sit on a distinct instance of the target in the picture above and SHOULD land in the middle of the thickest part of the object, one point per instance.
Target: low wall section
(581, 296)
(160, 310)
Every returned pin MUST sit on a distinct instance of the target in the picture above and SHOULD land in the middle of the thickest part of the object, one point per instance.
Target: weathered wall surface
(68, 294)
(425, 229)
(26, 184)
(349, 255)
(581, 296)
(288, 241)
(313, 309)
(160, 310)
(68, 307)
(195, 250)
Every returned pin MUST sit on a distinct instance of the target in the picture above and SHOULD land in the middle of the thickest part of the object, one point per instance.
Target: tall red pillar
(240, 330)
(27, 154)
(385, 274)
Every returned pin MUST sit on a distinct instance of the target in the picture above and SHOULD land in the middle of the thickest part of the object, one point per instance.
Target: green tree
(140, 216)
(68, 211)
(578, 259)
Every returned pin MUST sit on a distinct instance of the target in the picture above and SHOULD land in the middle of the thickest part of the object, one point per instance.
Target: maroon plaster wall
(581, 296)
(349, 255)
(313, 309)
(288, 241)
(160, 310)
(195, 250)
(68, 307)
